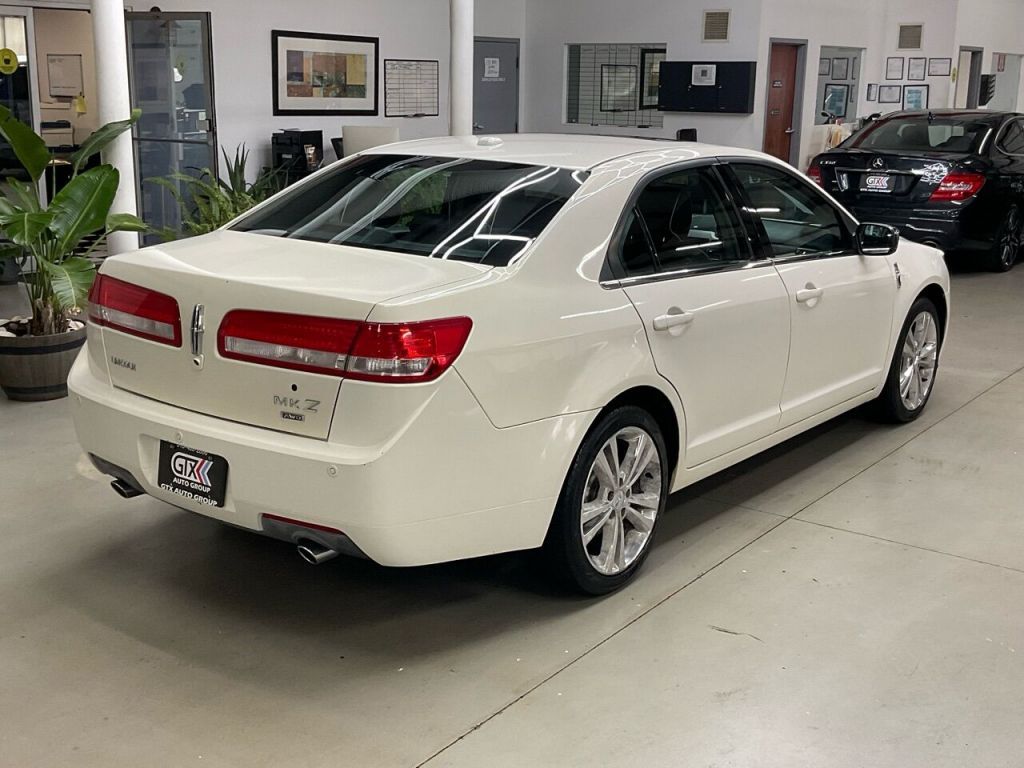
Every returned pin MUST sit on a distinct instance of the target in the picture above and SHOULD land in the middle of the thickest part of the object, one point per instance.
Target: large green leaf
(25, 195)
(82, 206)
(98, 141)
(125, 222)
(25, 228)
(70, 281)
(29, 148)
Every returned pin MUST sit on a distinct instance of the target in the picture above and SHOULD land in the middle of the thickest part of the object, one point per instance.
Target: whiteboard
(65, 73)
(411, 88)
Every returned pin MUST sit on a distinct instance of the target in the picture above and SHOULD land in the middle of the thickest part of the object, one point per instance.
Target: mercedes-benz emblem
(878, 163)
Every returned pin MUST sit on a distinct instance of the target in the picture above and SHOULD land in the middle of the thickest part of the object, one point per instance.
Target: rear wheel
(614, 494)
(914, 365)
(1007, 246)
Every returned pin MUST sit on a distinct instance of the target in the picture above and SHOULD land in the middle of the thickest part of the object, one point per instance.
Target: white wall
(997, 26)
(500, 18)
(60, 31)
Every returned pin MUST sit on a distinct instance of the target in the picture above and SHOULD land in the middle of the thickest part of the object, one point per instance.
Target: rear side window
(1012, 141)
(796, 218)
(682, 221)
(451, 208)
(943, 133)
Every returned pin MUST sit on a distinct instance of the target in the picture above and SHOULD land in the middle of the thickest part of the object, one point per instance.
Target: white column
(115, 104)
(461, 93)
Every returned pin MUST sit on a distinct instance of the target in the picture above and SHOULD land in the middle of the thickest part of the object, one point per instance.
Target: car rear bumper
(946, 229)
(451, 486)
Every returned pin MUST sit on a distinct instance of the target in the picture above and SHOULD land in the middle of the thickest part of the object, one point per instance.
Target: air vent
(716, 26)
(910, 37)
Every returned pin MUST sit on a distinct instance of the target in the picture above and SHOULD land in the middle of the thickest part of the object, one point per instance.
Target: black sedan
(949, 178)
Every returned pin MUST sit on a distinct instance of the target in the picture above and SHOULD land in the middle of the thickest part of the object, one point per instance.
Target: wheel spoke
(637, 459)
(645, 500)
(619, 552)
(639, 520)
(606, 466)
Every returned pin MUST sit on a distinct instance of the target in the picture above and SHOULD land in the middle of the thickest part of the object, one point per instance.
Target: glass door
(17, 80)
(170, 64)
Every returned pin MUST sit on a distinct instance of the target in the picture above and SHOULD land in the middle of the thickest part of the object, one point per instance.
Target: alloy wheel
(621, 500)
(1013, 233)
(919, 360)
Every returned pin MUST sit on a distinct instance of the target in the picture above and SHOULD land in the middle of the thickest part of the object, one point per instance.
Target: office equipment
(725, 87)
(288, 153)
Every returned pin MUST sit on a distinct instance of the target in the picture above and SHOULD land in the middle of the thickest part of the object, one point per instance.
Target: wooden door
(779, 122)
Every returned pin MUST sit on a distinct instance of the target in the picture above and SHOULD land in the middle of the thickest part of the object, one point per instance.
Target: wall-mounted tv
(721, 87)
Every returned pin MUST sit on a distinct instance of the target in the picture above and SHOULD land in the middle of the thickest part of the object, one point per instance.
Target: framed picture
(650, 76)
(894, 68)
(915, 97)
(872, 92)
(618, 87)
(318, 74)
(940, 67)
(840, 69)
(836, 96)
(824, 67)
(916, 68)
(890, 94)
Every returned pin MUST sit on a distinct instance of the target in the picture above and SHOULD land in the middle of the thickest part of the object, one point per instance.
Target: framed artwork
(650, 76)
(940, 67)
(618, 87)
(836, 96)
(915, 97)
(872, 92)
(894, 68)
(890, 94)
(840, 69)
(824, 67)
(916, 68)
(318, 74)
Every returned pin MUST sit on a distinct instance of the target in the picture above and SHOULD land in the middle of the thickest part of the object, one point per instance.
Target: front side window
(796, 218)
(480, 211)
(1012, 141)
(682, 221)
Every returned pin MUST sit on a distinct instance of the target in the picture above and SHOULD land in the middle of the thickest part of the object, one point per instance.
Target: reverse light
(381, 352)
(135, 310)
(958, 186)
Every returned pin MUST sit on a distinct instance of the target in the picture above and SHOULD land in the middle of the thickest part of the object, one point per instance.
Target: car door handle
(675, 318)
(810, 293)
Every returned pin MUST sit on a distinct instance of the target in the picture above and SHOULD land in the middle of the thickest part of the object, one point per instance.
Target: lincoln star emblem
(198, 330)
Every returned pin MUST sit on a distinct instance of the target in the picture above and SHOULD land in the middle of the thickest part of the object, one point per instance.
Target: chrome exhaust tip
(125, 490)
(314, 553)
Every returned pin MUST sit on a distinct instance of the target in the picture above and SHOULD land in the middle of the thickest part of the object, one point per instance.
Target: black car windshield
(481, 211)
(919, 133)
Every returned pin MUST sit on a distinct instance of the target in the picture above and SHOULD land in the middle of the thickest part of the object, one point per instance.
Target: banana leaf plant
(53, 236)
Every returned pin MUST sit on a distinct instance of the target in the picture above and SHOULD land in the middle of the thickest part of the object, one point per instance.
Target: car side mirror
(877, 239)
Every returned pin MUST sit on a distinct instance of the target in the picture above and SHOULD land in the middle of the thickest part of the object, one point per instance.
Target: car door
(716, 317)
(841, 302)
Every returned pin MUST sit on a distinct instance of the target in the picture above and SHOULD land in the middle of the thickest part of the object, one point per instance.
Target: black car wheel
(1008, 240)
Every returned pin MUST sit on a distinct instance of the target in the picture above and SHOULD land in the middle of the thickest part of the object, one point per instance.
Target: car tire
(604, 522)
(915, 362)
(1007, 246)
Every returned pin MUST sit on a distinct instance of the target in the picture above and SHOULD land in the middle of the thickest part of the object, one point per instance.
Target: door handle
(809, 294)
(790, 130)
(675, 318)
(477, 127)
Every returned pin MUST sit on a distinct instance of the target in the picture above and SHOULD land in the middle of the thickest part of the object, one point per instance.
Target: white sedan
(449, 348)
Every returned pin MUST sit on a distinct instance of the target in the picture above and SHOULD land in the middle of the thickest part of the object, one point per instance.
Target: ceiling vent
(910, 37)
(716, 26)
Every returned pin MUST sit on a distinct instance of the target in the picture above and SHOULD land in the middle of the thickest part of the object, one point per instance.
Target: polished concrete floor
(853, 598)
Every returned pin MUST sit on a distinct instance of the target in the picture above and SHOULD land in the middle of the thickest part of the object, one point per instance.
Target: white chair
(356, 138)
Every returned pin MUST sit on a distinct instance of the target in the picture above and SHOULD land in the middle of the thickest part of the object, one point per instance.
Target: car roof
(987, 114)
(573, 151)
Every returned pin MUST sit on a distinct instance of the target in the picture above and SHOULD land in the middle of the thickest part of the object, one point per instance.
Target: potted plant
(47, 243)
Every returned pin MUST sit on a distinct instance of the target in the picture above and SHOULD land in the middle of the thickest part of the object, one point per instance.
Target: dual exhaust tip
(314, 553)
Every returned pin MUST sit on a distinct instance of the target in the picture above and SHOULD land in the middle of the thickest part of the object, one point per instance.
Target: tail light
(958, 186)
(814, 172)
(135, 310)
(383, 352)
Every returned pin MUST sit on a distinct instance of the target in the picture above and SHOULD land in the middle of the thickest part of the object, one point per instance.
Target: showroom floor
(852, 599)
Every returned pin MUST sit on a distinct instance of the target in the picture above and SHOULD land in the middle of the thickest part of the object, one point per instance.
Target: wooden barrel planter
(37, 367)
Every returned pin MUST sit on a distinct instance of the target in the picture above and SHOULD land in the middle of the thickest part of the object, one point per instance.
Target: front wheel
(614, 494)
(915, 363)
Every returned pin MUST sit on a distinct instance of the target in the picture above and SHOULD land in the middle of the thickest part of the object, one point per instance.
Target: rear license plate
(878, 182)
(194, 475)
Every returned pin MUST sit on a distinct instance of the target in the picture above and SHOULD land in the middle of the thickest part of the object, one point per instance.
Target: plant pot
(37, 367)
(9, 272)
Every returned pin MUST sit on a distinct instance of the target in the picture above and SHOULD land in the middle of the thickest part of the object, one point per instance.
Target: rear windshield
(451, 208)
(941, 133)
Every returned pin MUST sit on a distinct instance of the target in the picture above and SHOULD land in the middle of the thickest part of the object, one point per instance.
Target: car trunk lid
(886, 178)
(211, 275)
